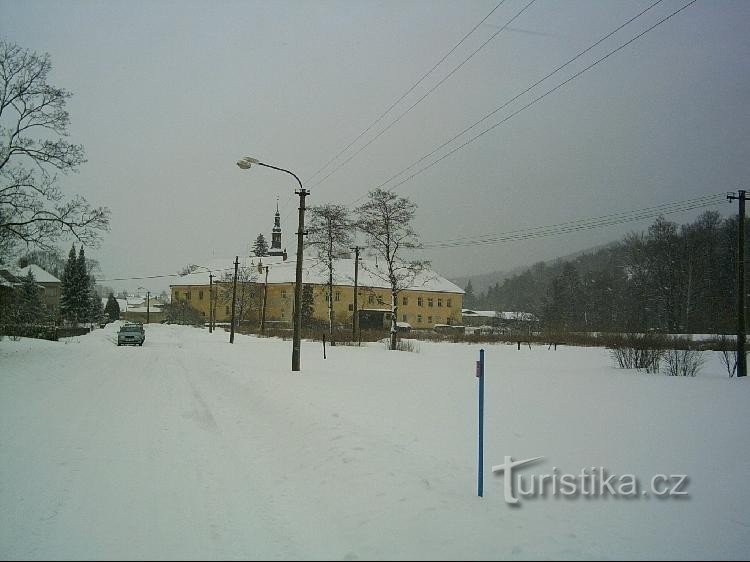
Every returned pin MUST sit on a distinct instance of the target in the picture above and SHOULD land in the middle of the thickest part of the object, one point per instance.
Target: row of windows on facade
(371, 299)
(420, 320)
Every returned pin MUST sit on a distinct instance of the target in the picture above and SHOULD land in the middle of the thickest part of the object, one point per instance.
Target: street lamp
(245, 164)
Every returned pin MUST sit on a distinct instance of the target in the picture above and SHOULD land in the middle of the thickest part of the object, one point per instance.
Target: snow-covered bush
(728, 353)
(402, 345)
(683, 362)
(637, 351)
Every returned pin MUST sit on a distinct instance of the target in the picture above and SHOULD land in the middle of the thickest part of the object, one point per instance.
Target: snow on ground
(191, 448)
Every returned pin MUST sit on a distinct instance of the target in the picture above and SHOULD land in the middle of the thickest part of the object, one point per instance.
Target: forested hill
(481, 282)
(672, 278)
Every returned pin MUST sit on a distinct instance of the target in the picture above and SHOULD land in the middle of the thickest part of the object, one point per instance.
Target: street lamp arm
(282, 170)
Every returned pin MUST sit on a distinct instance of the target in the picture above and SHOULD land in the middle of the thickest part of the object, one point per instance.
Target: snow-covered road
(191, 448)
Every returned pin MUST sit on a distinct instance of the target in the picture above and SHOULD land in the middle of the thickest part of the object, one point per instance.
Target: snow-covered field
(191, 448)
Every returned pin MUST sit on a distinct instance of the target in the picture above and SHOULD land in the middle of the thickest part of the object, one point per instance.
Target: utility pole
(355, 319)
(148, 306)
(296, 343)
(213, 317)
(265, 300)
(234, 297)
(210, 302)
(741, 335)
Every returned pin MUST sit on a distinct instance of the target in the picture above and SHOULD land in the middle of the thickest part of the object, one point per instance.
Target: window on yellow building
(419, 318)
(420, 301)
(403, 318)
(440, 302)
(405, 302)
(200, 295)
(371, 299)
(429, 319)
(448, 303)
(337, 296)
(187, 295)
(283, 294)
(226, 311)
(430, 302)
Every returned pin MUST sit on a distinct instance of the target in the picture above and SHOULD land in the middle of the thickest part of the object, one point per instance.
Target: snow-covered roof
(155, 307)
(371, 274)
(7, 279)
(40, 275)
(482, 313)
(122, 303)
(526, 316)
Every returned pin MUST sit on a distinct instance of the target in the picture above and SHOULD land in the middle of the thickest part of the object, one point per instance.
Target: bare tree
(33, 151)
(247, 291)
(330, 233)
(386, 220)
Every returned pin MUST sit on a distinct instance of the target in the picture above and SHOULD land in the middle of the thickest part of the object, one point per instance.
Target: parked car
(131, 334)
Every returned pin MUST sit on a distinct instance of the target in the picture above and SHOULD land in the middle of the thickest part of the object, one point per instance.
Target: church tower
(275, 249)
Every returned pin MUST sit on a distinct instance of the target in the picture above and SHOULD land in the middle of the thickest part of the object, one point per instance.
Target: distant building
(431, 300)
(52, 286)
(506, 321)
(9, 283)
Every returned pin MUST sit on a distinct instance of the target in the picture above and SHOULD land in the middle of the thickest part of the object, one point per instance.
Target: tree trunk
(394, 311)
(330, 305)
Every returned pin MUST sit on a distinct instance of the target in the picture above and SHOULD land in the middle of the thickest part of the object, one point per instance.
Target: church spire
(275, 249)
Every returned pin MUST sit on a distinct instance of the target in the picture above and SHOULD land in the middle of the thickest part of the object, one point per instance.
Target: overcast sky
(169, 95)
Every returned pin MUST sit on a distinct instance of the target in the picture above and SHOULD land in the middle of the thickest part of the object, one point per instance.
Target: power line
(521, 234)
(548, 92)
(550, 231)
(663, 206)
(451, 73)
(425, 75)
(514, 98)
(162, 276)
(580, 224)
(167, 275)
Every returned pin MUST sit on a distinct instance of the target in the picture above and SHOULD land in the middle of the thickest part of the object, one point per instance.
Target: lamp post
(245, 164)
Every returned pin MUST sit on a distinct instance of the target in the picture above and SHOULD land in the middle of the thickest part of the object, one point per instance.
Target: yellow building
(429, 301)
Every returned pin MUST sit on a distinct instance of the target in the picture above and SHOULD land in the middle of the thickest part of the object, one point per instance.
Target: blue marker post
(480, 468)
